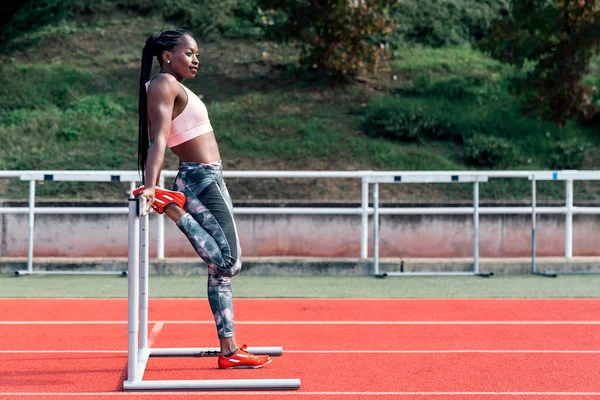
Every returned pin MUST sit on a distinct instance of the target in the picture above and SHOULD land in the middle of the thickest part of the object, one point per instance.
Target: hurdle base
(39, 272)
(555, 273)
(210, 351)
(144, 355)
(220, 384)
(545, 274)
(433, 273)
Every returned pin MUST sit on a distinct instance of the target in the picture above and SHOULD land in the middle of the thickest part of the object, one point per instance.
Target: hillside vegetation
(68, 100)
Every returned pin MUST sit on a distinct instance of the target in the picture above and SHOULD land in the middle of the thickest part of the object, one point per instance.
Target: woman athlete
(171, 115)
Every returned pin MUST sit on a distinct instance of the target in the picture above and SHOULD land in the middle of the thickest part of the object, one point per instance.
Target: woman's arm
(161, 98)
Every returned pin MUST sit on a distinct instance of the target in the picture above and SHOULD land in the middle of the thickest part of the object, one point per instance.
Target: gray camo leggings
(210, 228)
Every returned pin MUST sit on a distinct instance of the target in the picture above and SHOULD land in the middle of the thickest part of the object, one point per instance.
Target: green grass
(509, 286)
(447, 61)
(68, 100)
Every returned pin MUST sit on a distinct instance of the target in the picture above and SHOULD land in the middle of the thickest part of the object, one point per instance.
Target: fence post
(31, 225)
(476, 226)
(376, 228)
(533, 222)
(364, 224)
(569, 220)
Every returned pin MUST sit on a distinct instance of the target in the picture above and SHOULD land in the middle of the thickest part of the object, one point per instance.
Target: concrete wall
(310, 236)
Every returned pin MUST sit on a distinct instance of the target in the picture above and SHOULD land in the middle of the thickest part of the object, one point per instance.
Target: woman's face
(183, 59)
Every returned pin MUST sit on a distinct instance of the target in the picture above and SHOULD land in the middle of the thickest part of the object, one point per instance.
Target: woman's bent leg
(210, 228)
(220, 295)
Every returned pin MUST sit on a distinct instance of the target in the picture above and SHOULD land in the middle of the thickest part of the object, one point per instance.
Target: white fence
(367, 178)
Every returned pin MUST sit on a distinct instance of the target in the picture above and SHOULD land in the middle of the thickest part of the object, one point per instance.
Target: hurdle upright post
(160, 229)
(143, 283)
(376, 228)
(364, 219)
(476, 226)
(133, 288)
(31, 224)
(533, 230)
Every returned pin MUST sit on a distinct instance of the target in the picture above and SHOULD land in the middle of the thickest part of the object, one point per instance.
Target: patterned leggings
(210, 228)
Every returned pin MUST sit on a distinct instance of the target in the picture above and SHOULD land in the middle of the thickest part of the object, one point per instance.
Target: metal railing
(364, 211)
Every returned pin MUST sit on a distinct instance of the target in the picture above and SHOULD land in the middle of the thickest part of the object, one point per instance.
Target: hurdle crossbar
(138, 350)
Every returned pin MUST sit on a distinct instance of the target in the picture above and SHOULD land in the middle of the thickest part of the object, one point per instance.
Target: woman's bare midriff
(202, 149)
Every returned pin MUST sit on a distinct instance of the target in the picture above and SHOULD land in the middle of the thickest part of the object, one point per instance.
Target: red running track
(340, 349)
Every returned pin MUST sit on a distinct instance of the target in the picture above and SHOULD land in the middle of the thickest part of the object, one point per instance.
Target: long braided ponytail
(155, 45)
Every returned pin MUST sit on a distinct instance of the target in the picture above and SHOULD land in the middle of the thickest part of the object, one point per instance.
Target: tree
(342, 37)
(559, 37)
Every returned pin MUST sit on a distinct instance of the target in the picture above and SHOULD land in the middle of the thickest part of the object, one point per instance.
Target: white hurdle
(426, 177)
(139, 352)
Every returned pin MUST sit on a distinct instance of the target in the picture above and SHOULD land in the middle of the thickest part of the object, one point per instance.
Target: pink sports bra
(192, 122)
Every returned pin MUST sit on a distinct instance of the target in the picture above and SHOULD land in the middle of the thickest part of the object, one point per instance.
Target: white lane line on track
(296, 393)
(202, 322)
(334, 351)
(211, 322)
(296, 299)
(154, 333)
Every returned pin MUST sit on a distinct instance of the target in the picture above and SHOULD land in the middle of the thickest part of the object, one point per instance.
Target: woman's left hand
(148, 194)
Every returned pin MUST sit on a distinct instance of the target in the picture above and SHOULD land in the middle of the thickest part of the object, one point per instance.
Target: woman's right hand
(148, 194)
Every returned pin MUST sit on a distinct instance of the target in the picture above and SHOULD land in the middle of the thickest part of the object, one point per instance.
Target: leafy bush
(68, 134)
(456, 88)
(567, 154)
(406, 121)
(206, 18)
(493, 135)
(443, 22)
(488, 151)
(453, 88)
(14, 117)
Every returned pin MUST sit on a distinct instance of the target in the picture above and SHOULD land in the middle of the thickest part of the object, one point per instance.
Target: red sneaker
(243, 359)
(163, 197)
